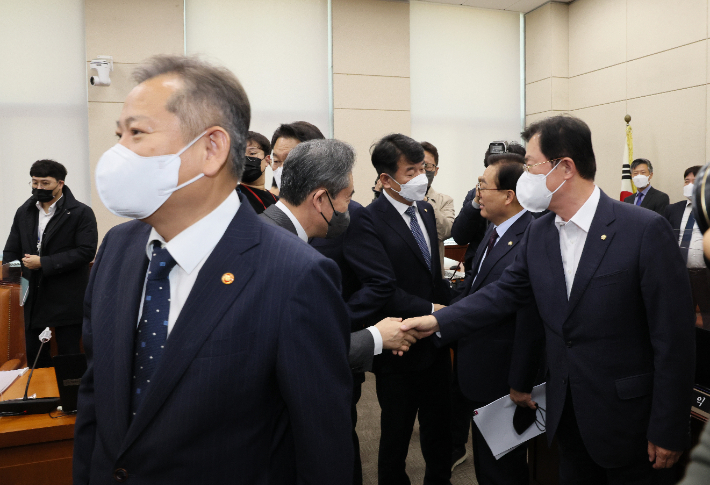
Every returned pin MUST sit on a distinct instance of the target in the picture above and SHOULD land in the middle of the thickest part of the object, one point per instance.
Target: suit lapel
(648, 198)
(207, 303)
(394, 219)
(130, 278)
(598, 240)
(556, 282)
(502, 247)
(430, 227)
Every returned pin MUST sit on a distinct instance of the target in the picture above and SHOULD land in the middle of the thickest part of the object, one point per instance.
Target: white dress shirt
(501, 230)
(190, 249)
(300, 231)
(44, 218)
(695, 250)
(573, 235)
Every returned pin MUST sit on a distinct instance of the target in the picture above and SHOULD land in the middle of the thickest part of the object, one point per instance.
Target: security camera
(103, 66)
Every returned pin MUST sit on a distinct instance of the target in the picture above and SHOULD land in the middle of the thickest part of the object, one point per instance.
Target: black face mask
(252, 170)
(338, 223)
(42, 195)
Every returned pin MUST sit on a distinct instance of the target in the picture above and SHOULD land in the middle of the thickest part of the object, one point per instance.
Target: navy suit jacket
(396, 281)
(249, 390)
(654, 200)
(623, 342)
(509, 353)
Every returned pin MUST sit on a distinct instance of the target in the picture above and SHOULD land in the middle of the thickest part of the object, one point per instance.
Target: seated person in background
(469, 227)
(690, 240)
(646, 196)
(55, 237)
(443, 204)
(252, 185)
(504, 357)
(284, 139)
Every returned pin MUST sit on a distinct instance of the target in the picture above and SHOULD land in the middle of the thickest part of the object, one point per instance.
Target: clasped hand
(393, 338)
(31, 261)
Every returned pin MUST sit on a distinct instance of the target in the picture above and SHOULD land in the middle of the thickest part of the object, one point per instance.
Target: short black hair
(48, 168)
(510, 168)
(260, 140)
(565, 136)
(512, 147)
(694, 170)
(386, 153)
(300, 130)
(642, 161)
(428, 147)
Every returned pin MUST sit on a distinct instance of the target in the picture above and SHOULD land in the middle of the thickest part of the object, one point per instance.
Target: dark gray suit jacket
(362, 343)
(654, 200)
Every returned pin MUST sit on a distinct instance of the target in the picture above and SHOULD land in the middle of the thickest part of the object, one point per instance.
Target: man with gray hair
(186, 354)
(646, 196)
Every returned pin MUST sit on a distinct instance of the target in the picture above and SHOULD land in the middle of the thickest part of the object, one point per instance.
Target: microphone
(31, 406)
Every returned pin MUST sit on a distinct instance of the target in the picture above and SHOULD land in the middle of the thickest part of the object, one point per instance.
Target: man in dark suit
(646, 196)
(314, 170)
(391, 246)
(507, 355)
(618, 319)
(185, 353)
(55, 238)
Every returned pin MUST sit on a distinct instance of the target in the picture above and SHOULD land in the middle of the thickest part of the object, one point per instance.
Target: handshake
(398, 335)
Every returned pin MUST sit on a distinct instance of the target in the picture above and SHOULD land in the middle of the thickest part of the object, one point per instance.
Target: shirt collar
(52, 207)
(644, 191)
(504, 226)
(585, 214)
(397, 204)
(197, 241)
(299, 228)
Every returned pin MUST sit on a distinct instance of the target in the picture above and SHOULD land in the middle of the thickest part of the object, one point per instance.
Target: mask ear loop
(558, 188)
(193, 179)
(540, 423)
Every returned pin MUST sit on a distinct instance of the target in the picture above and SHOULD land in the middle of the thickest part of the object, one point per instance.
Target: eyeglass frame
(527, 167)
(42, 184)
(479, 188)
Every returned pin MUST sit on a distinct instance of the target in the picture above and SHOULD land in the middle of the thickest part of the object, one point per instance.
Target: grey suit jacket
(362, 344)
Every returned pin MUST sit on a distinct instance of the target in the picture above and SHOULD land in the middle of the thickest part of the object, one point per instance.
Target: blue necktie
(153, 326)
(687, 235)
(418, 234)
(639, 198)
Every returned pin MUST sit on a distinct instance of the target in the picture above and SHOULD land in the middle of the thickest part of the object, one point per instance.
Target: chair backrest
(12, 325)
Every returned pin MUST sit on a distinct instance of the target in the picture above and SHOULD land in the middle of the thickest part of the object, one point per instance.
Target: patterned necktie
(687, 235)
(418, 234)
(639, 198)
(153, 326)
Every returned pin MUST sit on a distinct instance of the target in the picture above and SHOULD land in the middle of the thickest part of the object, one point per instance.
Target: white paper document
(495, 422)
(7, 377)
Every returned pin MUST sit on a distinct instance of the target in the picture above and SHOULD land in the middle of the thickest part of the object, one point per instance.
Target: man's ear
(318, 199)
(216, 151)
(385, 180)
(570, 168)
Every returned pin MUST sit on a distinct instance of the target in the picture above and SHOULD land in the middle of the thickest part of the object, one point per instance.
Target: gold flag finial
(627, 118)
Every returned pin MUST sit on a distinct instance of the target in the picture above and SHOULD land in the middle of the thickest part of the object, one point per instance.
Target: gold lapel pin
(426, 210)
(510, 243)
(604, 237)
(227, 278)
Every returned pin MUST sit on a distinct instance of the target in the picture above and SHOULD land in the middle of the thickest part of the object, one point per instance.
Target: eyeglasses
(527, 167)
(479, 188)
(429, 167)
(44, 184)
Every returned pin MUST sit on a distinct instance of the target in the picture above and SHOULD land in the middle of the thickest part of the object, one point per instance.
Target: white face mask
(133, 186)
(532, 191)
(277, 176)
(413, 190)
(688, 191)
(640, 181)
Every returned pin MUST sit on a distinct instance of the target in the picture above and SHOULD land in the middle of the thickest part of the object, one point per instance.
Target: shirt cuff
(438, 334)
(432, 308)
(475, 204)
(377, 336)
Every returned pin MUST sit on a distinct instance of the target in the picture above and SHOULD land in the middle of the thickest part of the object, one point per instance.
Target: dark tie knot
(161, 263)
(411, 210)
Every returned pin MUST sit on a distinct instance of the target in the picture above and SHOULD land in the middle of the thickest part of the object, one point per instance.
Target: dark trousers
(578, 468)
(700, 286)
(68, 338)
(357, 468)
(461, 412)
(401, 396)
(510, 469)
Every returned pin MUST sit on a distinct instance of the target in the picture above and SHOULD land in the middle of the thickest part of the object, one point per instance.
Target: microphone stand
(31, 406)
